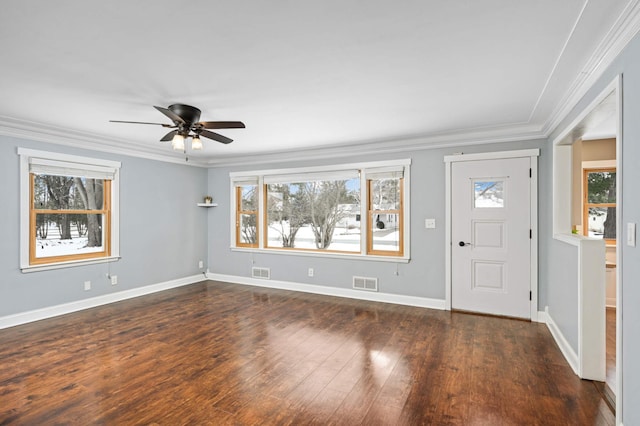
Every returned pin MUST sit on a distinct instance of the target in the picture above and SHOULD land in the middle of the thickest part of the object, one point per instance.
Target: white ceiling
(301, 75)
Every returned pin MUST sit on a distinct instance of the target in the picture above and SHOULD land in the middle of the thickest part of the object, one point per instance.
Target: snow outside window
(356, 209)
(67, 209)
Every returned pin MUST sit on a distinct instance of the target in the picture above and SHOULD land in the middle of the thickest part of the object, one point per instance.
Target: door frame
(533, 155)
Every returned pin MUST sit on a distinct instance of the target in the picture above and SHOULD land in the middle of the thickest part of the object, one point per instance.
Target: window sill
(343, 256)
(60, 265)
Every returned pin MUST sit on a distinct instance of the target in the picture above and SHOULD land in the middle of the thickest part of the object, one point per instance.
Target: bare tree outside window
(313, 215)
(68, 215)
(599, 215)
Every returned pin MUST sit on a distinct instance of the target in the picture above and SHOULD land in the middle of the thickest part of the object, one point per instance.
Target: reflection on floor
(223, 354)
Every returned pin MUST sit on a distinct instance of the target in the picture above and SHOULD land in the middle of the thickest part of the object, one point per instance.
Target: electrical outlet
(310, 272)
(114, 279)
(430, 223)
(87, 285)
(201, 264)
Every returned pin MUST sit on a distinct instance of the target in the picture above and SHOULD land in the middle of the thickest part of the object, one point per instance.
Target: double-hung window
(68, 209)
(246, 217)
(351, 209)
(384, 208)
(599, 203)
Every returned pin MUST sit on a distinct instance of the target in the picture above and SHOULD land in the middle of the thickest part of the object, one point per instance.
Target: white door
(490, 236)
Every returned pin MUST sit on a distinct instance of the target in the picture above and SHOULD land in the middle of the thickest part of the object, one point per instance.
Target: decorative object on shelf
(208, 199)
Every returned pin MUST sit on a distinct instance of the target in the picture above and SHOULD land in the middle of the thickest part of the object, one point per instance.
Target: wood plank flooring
(216, 353)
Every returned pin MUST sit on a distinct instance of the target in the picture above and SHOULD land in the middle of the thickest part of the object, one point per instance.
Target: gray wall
(627, 64)
(423, 276)
(162, 232)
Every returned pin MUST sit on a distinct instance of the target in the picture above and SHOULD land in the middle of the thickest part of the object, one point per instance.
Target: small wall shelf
(207, 204)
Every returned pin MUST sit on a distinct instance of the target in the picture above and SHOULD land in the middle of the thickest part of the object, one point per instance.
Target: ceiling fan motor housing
(188, 113)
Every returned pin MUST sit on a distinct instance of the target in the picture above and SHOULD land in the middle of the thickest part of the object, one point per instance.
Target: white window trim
(25, 156)
(260, 176)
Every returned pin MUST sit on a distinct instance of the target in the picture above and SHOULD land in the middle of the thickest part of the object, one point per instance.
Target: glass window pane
(385, 231)
(68, 234)
(488, 194)
(317, 215)
(601, 187)
(67, 193)
(248, 229)
(602, 222)
(249, 198)
(385, 194)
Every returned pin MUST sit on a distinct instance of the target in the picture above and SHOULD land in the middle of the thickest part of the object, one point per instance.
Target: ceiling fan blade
(222, 124)
(169, 136)
(172, 115)
(215, 136)
(141, 122)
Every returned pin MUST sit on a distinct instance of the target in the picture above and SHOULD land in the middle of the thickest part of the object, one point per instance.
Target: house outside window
(385, 206)
(68, 210)
(354, 209)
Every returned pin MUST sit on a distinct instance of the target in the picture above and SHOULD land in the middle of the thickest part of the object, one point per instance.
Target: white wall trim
(614, 42)
(398, 299)
(79, 305)
(566, 349)
(492, 155)
(622, 32)
(410, 144)
(69, 137)
(543, 318)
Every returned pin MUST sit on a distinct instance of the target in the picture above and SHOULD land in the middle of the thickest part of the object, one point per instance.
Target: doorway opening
(587, 202)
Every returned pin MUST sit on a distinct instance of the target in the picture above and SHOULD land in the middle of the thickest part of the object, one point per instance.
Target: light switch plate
(430, 223)
(631, 234)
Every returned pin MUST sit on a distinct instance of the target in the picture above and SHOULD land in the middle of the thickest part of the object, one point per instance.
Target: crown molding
(72, 138)
(621, 33)
(406, 144)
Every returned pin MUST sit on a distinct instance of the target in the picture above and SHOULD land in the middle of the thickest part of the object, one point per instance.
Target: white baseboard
(566, 349)
(422, 302)
(67, 308)
(542, 317)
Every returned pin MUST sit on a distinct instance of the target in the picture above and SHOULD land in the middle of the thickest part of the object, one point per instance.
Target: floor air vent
(365, 283)
(263, 273)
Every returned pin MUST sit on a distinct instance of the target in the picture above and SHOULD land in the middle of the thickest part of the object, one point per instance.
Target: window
(599, 203)
(384, 225)
(319, 210)
(488, 194)
(246, 226)
(313, 212)
(69, 209)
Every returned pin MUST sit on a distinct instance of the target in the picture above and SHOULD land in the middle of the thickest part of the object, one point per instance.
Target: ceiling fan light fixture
(196, 143)
(177, 143)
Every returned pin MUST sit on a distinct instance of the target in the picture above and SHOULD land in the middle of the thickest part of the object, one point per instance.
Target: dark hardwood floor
(215, 353)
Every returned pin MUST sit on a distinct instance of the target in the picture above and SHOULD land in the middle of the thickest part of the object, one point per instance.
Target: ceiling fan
(185, 122)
